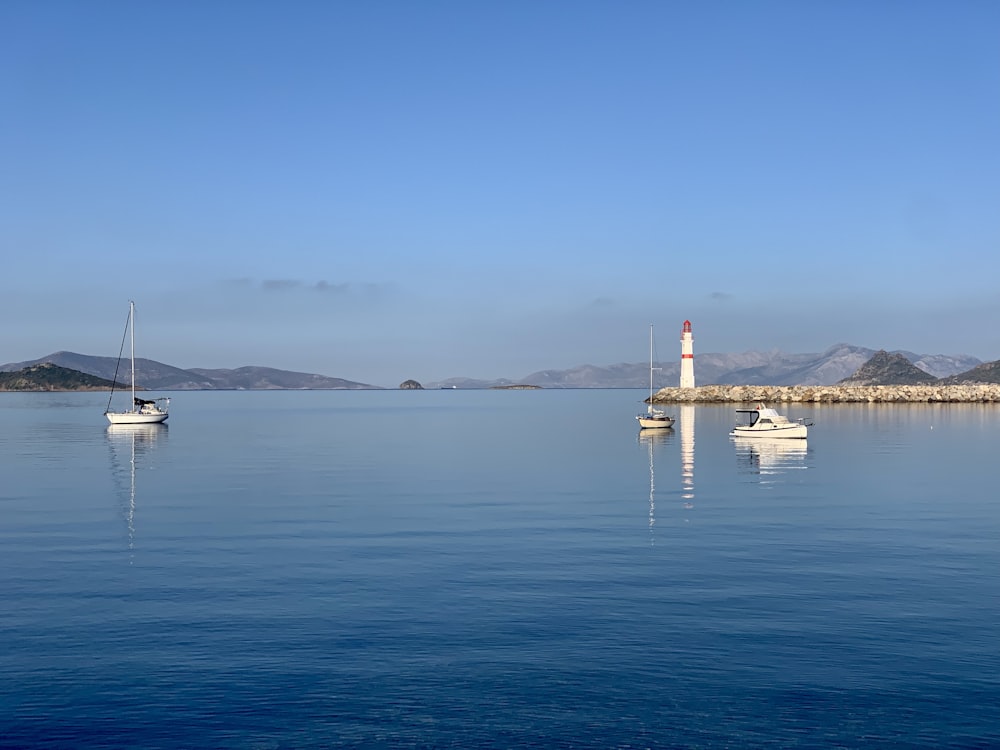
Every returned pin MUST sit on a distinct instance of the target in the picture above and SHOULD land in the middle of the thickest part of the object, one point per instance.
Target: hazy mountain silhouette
(743, 368)
(158, 376)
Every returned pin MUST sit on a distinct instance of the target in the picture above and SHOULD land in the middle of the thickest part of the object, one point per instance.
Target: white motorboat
(143, 411)
(763, 421)
(653, 418)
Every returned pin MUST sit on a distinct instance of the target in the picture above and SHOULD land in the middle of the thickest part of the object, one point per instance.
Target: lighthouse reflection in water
(687, 455)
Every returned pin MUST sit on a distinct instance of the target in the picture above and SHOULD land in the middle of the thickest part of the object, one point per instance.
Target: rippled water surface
(495, 569)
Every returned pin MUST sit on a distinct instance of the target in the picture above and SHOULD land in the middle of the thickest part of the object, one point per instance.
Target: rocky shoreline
(986, 393)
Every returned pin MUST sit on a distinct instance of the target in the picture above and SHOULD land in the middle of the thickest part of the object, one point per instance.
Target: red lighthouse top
(687, 326)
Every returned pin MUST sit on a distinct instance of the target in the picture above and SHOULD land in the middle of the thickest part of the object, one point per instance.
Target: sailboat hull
(652, 423)
(131, 417)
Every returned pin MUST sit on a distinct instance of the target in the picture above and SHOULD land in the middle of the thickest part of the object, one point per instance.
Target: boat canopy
(759, 409)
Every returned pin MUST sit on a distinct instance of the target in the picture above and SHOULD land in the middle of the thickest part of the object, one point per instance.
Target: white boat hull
(652, 423)
(791, 431)
(132, 417)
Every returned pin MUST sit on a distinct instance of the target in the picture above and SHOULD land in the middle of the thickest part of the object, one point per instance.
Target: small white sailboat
(653, 418)
(143, 411)
(762, 421)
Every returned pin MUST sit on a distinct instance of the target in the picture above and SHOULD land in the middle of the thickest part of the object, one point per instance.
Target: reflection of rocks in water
(767, 456)
(132, 447)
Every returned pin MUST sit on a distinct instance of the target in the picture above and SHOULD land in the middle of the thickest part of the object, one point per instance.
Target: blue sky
(391, 190)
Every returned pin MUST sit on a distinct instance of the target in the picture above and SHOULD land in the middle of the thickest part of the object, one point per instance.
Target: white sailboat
(653, 418)
(143, 411)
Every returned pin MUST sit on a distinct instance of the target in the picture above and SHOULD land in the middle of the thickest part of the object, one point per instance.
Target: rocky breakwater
(831, 394)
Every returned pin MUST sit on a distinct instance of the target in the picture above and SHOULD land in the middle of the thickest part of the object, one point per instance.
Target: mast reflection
(653, 440)
(130, 446)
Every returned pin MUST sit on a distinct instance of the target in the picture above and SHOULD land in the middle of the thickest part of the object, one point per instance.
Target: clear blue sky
(389, 190)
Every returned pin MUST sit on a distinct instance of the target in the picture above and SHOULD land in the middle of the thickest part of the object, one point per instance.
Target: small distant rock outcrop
(49, 377)
(410, 385)
(888, 369)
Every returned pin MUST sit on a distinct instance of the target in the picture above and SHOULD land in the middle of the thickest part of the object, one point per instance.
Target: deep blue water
(495, 569)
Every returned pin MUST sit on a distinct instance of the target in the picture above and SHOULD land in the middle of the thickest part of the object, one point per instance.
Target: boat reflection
(656, 436)
(131, 446)
(770, 457)
(654, 439)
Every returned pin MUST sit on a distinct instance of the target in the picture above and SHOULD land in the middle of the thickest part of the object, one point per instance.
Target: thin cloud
(325, 287)
(602, 302)
(722, 296)
(242, 283)
(279, 284)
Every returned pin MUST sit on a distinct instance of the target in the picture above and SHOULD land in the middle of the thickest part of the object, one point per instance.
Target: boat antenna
(119, 362)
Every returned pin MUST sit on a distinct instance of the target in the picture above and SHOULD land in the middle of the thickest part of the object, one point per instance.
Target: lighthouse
(687, 356)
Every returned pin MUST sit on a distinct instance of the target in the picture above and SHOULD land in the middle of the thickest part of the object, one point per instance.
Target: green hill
(888, 369)
(49, 377)
(988, 372)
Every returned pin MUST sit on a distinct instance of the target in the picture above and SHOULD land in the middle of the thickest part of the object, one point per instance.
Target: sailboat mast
(131, 318)
(649, 408)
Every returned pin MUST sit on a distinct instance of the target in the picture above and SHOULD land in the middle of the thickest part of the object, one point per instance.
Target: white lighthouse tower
(687, 356)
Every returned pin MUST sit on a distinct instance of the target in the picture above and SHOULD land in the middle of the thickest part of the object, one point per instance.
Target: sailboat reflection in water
(653, 439)
(131, 447)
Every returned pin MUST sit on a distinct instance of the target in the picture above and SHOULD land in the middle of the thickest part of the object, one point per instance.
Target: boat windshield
(747, 417)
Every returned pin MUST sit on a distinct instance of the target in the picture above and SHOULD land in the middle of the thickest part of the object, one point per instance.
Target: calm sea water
(495, 569)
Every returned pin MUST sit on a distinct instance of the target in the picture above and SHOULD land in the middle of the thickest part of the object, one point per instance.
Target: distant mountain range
(152, 375)
(747, 368)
